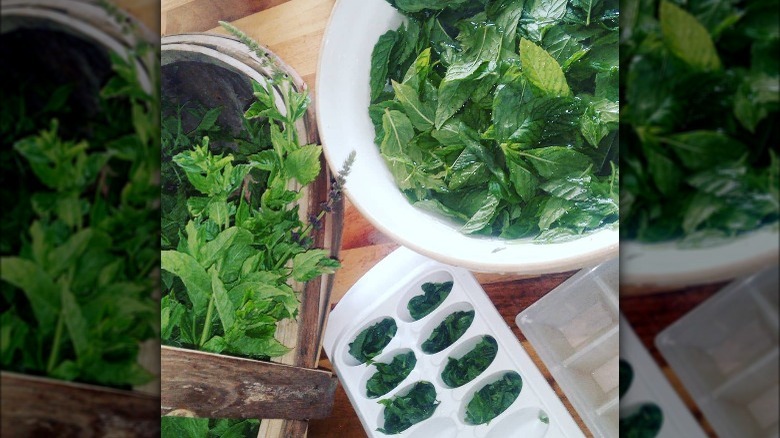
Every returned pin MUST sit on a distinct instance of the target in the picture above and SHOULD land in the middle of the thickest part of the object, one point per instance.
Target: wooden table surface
(293, 29)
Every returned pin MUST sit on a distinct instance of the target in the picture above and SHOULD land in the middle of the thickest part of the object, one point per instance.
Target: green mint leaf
(398, 134)
(687, 38)
(184, 426)
(433, 295)
(209, 120)
(196, 281)
(256, 347)
(644, 420)
(370, 342)
(312, 263)
(420, 5)
(482, 217)
(222, 302)
(626, 377)
(388, 376)
(522, 178)
(403, 411)
(448, 331)
(542, 70)
(304, 164)
(38, 287)
(547, 11)
(421, 115)
(554, 161)
(699, 150)
(493, 399)
(78, 330)
(460, 371)
(380, 56)
(223, 244)
(599, 119)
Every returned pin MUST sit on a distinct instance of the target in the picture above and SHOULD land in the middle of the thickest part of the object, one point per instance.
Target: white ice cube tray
(650, 385)
(574, 330)
(725, 352)
(384, 292)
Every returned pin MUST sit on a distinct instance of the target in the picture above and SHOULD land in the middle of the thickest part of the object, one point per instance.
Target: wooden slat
(630, 290)
(217, 386)
(36, 406)
(144, 10)
(201, 15)
(293, 30)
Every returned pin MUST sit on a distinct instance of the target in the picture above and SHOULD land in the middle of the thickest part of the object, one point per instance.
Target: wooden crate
(40, 406)
(218, 386)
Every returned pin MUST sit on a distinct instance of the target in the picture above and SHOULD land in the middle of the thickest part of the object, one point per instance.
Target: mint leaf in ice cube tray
(403, 412)
(434, 294)
(371, 341)
(449, 331)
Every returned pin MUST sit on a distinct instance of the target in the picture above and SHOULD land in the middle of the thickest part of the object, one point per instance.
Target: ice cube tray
(574, 330)
(384, 292)
(650, 386)
(725, 352)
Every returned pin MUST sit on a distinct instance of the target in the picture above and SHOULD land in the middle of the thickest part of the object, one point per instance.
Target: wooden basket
(289, 391)
(39, 406)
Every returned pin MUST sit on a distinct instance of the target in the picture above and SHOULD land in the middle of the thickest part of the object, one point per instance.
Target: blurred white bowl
(668, 265)
(342, 113)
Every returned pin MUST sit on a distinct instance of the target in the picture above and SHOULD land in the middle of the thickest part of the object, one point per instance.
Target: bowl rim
(660, 264)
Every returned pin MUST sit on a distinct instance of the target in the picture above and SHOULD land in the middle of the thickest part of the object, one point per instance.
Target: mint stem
(55, 349)
(207, 326)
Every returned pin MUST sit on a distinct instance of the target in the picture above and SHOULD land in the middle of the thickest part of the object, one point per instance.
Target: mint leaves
(433, 295)
(640, 421)
(404, 411)
(459, 372)
(493, 399)
(700, 87)
(487, 112)
(233, 241)
(370, 342)
(79, 241)
(389, 375)
(448, 331)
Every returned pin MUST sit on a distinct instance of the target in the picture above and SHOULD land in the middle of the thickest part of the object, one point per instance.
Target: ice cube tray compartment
(465, 348)
(384, 292)
(649, 385)
(574, 329)
(725, 352)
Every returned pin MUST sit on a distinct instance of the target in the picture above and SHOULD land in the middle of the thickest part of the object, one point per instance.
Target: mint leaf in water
(493, 399)
(389, 375)
(434, 294)
(460, 371)
(699, 156)
(479, 106)
(404, 411)
(448, 331)
(645, 421)
(369, 343)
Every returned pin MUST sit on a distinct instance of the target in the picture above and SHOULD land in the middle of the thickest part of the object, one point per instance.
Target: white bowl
(666, 264)
(342, 113)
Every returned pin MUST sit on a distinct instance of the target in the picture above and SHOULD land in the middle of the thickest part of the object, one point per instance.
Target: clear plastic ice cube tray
(725, 352)
(650, 386)
(384, 292)
(574, 330)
